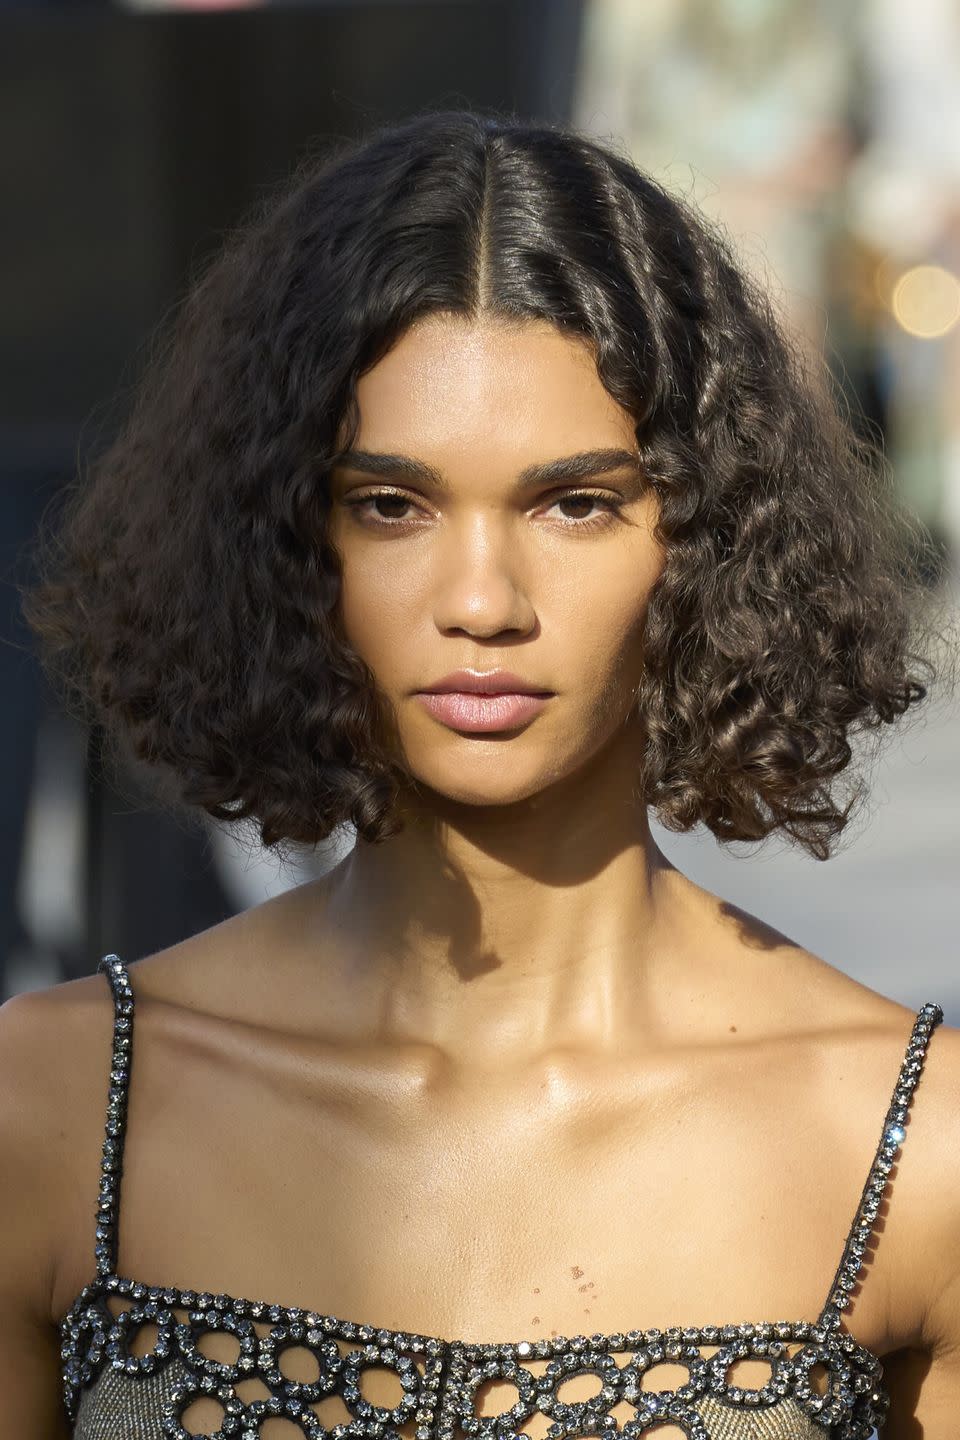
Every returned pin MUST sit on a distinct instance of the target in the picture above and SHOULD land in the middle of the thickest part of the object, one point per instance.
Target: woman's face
(466, 563)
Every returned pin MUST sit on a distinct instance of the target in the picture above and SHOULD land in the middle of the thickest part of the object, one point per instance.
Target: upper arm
(30, 1382)
(923, 1381)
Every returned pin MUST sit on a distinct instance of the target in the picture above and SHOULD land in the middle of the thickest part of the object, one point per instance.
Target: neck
(499, 932)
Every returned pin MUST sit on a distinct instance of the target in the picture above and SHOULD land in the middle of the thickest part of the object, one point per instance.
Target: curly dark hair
(187, 600)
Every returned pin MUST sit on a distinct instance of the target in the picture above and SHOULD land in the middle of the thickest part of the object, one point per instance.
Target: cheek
(366, 587)
(606, 607)
(605, 643)
(380, 609)
(607, 649)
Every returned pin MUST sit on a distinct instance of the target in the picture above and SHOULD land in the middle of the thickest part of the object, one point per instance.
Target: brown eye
(582, 500)
(381, 501)
(609, 507)
(359, 504)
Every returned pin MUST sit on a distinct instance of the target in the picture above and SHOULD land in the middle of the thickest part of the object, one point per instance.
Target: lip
(484, 682)
(479, 713)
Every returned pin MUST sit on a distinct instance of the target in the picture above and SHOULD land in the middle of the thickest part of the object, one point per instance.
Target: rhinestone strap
(111, 1166)
(891, 1139)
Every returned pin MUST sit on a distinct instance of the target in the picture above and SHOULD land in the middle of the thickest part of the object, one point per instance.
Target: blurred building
(826, 140)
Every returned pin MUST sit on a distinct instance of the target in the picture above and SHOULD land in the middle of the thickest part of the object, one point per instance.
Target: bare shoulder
(916, 1257)
(26, 1134)
(54, 1078)
(930, 1180)
(913, 1267)
(56, 1042)
(56, 1046)
(922, 1375)
(51, 1058)
(861, 1037)
(48, 1080)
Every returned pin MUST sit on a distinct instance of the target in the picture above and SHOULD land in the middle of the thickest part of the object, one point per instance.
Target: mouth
(479, 713)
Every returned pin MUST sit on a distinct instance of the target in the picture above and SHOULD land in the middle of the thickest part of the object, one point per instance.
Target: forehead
(521, 386)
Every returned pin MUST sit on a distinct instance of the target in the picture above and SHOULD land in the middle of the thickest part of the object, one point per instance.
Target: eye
(357, 504)
(609, 507)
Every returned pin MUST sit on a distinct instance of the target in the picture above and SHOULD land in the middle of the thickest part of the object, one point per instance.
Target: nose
(481, 585)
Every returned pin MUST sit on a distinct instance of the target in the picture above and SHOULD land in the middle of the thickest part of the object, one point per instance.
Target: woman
(480, 503)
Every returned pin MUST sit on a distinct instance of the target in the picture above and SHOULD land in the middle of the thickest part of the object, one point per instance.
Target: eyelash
(610, 506)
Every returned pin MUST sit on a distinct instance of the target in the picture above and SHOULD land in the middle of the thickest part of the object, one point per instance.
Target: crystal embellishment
(439, 1378)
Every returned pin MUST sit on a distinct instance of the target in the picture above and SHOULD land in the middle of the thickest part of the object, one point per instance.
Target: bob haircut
(187, 599)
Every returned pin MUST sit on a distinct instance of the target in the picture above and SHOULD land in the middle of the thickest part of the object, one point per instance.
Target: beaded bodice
(821, 1381)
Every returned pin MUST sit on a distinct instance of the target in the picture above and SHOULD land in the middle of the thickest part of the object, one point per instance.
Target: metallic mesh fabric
(821, 1382)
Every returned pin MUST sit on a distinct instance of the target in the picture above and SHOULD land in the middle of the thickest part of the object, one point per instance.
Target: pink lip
(486, 682)
(462, 710)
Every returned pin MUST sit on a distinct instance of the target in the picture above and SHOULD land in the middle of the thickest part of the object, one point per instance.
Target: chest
(610, 1190)
(571, 1201)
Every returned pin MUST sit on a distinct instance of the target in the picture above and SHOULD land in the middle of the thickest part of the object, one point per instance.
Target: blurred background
(824, 137)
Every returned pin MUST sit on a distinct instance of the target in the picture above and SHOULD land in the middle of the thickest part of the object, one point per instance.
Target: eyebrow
(565, 467)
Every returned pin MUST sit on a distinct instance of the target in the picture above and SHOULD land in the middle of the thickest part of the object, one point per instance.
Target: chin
(470, 785)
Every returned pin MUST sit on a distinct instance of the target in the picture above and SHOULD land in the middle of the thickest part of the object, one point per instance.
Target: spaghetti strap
(111, 1166)
(891, 1139)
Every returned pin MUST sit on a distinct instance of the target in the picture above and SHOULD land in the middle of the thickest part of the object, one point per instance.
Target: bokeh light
(926, 301)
